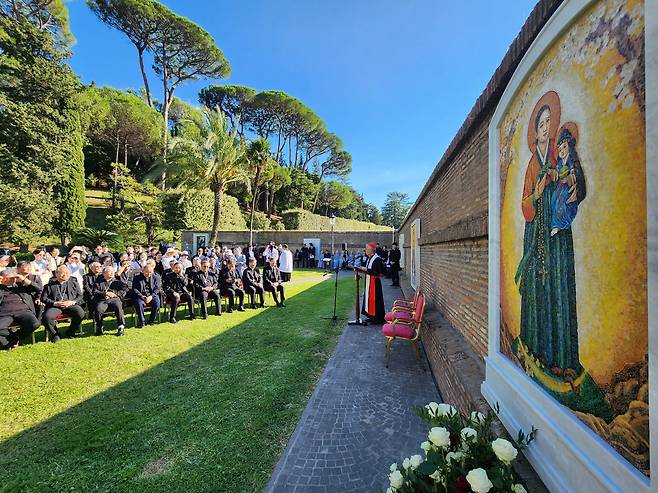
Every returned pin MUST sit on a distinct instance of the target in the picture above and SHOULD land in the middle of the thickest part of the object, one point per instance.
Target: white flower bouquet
(461, 455)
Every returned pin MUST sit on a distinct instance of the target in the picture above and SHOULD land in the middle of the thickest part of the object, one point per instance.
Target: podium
(357, 298)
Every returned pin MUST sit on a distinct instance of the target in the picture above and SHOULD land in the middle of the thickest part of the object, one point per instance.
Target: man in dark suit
(146, 290)
(17, 309)
(394, 258)
(176, 288)
(231, 286)
(274, 283)
(88, 281)
(108, 294)
(206, 285)
(62, 295)
(253, 283)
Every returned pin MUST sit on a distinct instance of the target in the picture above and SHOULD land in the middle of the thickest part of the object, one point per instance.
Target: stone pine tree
(182, 51)
(395, 208)
(233, 100)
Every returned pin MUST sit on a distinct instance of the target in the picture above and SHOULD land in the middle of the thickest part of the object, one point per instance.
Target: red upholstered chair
(406, 304)
(59, 318)
(406, 330)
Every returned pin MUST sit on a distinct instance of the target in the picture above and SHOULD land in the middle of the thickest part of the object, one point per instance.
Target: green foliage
(299, 193)
(69, 189)
(186, 209)
(212, 160)
(49, 16)
(303, 220)
(395, 208)
(261, 221)
(91, 237)
(233, 101)
(39, 132)
(278, 226)
(335, 195)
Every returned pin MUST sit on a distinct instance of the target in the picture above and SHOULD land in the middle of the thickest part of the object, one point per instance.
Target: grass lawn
(196, 406)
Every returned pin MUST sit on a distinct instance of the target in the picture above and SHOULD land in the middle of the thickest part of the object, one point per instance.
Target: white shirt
(271, 253)
(285, 261)
(167, 260)
(77, 271)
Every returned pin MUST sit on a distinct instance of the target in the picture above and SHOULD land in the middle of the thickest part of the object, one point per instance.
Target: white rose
(454, 456)
(445, 410)
(394, 467)
(432, 407)
(406, 463)
(504, 450)
(518, 488)
(439, 436)
(396, 479)
(416, 460)
(436, 476)
(426, 446)
(479, 480)
(477, 418)
(468, 433)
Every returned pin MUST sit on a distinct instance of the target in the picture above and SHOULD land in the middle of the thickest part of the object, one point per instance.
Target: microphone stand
(335, 317)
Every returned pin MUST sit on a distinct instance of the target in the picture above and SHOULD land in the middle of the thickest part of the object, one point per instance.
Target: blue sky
(394, 79)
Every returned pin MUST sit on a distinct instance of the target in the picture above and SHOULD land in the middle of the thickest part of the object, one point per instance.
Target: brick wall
(452, 209)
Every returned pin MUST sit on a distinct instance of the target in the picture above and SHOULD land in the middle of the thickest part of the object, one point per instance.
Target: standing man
(373, 298)
(285, 263)
(311, 256)
(62, 295)
(253, 283)
(394, 258)
(274, 284)
(303, 256)
(146, 290)
(206, 285)
(108, 293)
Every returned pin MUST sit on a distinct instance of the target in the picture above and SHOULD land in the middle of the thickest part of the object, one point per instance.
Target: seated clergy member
(274, 283)
(17, 310)
(108, 294)
(206, 286)
(253, 283)
(62, 295)
(176, 288)
(88, 281)
(231, 285)
(146, 290)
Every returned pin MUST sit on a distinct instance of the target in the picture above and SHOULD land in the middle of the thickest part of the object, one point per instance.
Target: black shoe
(140, 324)
(205, 317)
(230, 310)
(283, 304)
(99, 330)
(55, 339)
(120, 330)
(172, 320)
(192, 317)
(262, 305)
(241, 308)
(253, 306)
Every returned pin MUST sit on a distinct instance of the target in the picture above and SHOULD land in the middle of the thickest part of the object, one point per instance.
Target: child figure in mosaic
(564, 202)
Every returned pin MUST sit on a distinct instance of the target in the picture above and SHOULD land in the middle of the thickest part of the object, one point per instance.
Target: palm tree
(258, 157)
(211, 158)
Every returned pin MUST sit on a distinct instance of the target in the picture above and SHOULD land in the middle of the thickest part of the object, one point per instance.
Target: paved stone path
(360, 417)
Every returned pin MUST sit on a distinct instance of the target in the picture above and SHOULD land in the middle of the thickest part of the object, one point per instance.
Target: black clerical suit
(102, 303)
(272, 283)
(253, 285)
(18, 313)
(88, 281)
(177, 289)
(67, 291)
(394, 257)
(206, 285)
(231, 286)
(143, 287)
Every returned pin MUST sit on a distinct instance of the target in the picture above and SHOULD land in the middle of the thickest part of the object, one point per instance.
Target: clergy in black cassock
(373, 298)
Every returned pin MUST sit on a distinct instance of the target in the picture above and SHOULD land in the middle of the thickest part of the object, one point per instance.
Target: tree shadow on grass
(214, 418)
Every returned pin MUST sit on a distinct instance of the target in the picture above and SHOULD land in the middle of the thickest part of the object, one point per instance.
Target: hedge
(303, 220)
(192, 210)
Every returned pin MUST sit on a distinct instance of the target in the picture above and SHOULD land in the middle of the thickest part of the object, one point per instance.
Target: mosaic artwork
(574, 226)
